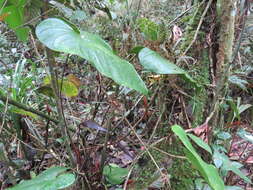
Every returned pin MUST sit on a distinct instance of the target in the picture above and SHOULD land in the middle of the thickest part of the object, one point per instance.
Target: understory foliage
(126, 95)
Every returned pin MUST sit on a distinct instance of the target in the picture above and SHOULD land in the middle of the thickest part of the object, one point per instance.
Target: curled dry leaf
(76, 81)
(177, 33)
(249, 160)
(202, 132)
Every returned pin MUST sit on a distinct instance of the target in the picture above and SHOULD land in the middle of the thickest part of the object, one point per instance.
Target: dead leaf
(93, 125)
(202, 132)
(76, 81)
(177, 33)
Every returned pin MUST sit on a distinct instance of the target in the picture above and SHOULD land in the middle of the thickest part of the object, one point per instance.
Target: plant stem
(54, 83)
(26, 108)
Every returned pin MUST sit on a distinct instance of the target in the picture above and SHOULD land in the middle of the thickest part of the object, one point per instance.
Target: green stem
(26, 108)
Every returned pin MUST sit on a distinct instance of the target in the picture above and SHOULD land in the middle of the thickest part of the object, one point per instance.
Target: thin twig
(239, 41)
(136, 159)
(182, 14)
(185, 112)
(199, 25)
(55, 85)
(4, 114)
(169, 154)
(156, 125)
(3, 6)
(145, 147)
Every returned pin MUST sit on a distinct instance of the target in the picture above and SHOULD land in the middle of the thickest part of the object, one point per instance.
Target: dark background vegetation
(107, 123)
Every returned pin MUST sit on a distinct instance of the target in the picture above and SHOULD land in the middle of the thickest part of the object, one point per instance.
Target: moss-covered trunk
(212, 49)
(226, 14)
(200, 27)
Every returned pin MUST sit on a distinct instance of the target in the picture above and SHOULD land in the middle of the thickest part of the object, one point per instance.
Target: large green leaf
(15, 20)
(57, 35)
(153, 62)
(208, 171)
(51, 179)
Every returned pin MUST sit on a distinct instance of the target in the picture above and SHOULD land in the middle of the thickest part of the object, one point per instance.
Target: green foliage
(114, 174)
(153, 62)
(223, 162)
(59, 36)
(51, 179)
(74, 15)
(233, 79)
(233, 188)
(68, 88)
(23, 112)
(46, 90)
(15, 17)
(21, 82)
(200, 143)
(151, 30)
(239, 76)
(238, 108)
(245, 135)
(207, 171)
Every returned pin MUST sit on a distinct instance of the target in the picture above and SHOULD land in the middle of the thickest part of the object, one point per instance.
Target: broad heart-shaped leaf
(115, 174)
(51, 179)
(153, 62)
(57, 35)
(208, 171)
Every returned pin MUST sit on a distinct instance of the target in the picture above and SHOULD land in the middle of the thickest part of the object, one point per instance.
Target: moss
(180, 171)
(182, 175)
(191, 28)
(200, 96)
(201, 69)
(146, 171)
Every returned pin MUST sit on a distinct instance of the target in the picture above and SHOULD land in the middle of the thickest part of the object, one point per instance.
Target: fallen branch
(26, 108)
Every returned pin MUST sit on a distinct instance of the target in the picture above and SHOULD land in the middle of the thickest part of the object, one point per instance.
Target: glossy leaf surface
(59, 36)
(245, 135)
(153, 62)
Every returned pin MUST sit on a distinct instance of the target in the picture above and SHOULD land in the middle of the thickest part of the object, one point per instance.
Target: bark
(224, 58)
